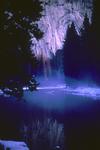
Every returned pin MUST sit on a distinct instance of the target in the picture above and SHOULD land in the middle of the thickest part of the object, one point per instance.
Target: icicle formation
(56, 17)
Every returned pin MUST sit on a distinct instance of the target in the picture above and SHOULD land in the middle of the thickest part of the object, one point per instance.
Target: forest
(81, 53)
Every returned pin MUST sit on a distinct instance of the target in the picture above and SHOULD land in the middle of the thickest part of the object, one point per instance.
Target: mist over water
(61, 113)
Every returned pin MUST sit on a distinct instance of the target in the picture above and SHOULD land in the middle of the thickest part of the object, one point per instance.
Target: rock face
(12, 145)
(57, 15)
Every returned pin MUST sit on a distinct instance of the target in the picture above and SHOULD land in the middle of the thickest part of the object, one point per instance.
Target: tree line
(81, 53)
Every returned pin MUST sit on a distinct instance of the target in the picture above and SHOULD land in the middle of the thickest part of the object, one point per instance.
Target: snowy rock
(13, 145)
(57, 15)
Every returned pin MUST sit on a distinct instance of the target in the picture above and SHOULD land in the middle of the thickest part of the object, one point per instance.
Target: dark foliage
(95, 40)
(82, 53)
(17, 62)
(72, 53)
(86, 59)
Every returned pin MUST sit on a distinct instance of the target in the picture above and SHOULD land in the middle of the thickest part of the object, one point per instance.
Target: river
(53, 118)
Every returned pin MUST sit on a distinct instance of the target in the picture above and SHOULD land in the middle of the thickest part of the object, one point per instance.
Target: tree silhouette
(90, 45)
(86, 60)
(72, 53)
(17, 26)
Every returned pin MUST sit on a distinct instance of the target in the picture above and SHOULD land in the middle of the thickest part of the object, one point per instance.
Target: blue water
(79, 112)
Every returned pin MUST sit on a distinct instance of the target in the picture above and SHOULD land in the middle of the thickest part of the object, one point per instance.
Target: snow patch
(14, 145)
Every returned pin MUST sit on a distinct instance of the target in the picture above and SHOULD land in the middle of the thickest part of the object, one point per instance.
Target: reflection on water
(51, 120)
(45, 134)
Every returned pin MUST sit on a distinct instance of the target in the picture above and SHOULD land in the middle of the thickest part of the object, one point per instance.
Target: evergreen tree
(86, 59)
(86, 27)
(95, 41)
(72, 53)
(17, 26)
(90, 44)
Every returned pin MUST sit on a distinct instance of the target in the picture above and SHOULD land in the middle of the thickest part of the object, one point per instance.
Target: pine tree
(86, 27)
(72, 53)
(90, 44)
(85, 47)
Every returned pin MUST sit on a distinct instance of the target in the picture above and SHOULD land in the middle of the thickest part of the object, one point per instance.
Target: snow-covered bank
(87, 91)
(13, 145)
